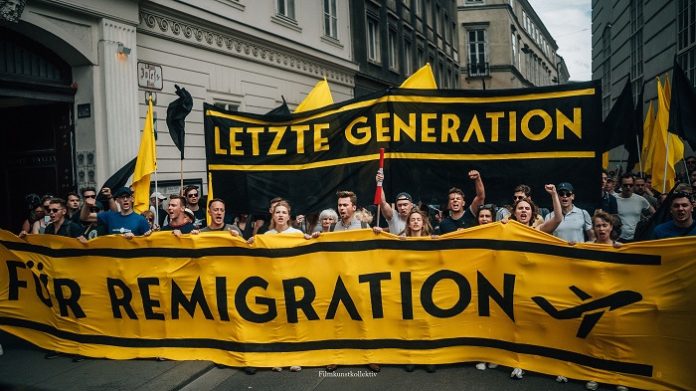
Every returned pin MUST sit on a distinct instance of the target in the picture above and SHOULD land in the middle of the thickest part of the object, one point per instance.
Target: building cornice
(157, 23)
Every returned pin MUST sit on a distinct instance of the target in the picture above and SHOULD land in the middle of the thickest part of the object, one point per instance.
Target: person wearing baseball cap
(576, 222)
(157, 207)
(125, 222)
(403, 204)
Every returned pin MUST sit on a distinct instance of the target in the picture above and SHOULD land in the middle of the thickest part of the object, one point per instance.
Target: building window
(286, 8)
(474, 2)
(428, 13)
(408, 58)
(225, 105)
(637, 54)
(420, 57)
(636, 15)
(477, 52)
(330, 19)
(393, 51)
(417, 7)
(686, 38)
(373, 40)
(513, 39)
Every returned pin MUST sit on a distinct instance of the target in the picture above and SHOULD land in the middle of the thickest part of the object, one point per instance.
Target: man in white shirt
(630, 207)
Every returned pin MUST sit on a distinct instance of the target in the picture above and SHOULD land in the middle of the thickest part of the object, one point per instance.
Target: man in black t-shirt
(460, 217)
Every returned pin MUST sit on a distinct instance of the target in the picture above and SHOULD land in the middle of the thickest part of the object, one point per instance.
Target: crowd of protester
(625, 213)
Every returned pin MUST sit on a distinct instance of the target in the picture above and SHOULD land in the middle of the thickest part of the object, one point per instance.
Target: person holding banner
(216, 210)
(603, 225)
(403, 204)
(459, 217)
(179, 223)
(61, 226)
(126, 222)
(418, 224)
(486, 214)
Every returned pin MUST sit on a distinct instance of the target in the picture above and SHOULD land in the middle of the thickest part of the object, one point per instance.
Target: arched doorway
(36, 106)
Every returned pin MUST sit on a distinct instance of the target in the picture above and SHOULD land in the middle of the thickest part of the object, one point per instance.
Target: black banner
(431, 140)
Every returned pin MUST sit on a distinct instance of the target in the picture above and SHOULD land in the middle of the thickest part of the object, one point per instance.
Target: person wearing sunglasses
(631, 206)
(59, 225)
(576, 222)
(193, 196)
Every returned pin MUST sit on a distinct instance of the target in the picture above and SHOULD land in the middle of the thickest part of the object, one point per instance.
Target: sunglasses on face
(54, 210)
(626, 184)
(91, 196)
(565, 193)
(192, 195)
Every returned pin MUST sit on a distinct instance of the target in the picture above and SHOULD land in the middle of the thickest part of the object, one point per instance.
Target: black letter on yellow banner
(70, 301)
(406, 296)
(197, 298)
(305, 303)
(243, 308)
(427, 294)
(116, 302)
(375, 291)
(148, 303)
(341, 295)
(487, 291)
(14, 282)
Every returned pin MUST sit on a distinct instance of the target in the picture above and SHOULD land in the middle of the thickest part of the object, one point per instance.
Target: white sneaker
(295, 368)
(591, 385)
(621, 388)
(561, 379)
(277, 369)
(492, 365)
(481, 366)
(517, 373)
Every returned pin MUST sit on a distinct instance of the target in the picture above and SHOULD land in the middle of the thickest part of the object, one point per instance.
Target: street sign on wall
(149, 76)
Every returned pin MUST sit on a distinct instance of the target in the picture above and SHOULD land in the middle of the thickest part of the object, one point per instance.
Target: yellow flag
(320, 96)
(668, 149)
(421, 79)
(605, 160)
(208, 219)
(146, 164)
(646, 148)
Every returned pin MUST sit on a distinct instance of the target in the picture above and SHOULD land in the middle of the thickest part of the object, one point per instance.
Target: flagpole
(664, 178)
(686, 171)
(154, 148)
(640, 161)
(181, 171)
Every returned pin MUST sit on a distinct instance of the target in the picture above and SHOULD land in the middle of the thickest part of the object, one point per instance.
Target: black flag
(619, 125)
(176, 117)
(282, 110)
(117, 180)
(634, 145)
(682, 108)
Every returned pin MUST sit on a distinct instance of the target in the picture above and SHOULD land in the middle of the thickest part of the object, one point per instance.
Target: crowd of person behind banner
(626, 213)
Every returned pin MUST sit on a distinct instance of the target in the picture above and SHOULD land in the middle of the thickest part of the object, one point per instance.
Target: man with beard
(576, 222)
(682, 223)
(216, 210)
(459, 217)
(125, 222)
(179, 223)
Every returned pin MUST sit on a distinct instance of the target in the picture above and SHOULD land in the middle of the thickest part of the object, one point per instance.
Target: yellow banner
(500, 293)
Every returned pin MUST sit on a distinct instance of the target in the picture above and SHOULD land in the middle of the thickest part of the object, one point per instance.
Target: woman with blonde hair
(417, 224)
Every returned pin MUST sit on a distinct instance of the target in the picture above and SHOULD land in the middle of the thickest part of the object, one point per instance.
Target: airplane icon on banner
(590, 311)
